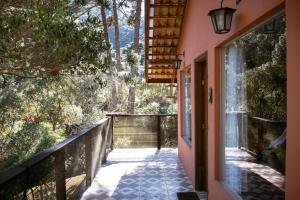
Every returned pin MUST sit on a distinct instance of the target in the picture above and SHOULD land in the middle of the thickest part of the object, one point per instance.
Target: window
(254, 112)
(186, 104)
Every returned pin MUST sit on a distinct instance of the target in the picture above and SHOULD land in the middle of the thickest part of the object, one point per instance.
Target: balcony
(144, 173)
(120, 156)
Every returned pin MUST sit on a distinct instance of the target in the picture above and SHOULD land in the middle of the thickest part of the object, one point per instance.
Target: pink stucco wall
(293, 100)
(197, 38)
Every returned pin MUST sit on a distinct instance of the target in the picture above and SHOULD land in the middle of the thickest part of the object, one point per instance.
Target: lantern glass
(220, 14)
(221, 19)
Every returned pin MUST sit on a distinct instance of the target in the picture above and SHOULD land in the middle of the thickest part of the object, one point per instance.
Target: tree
(104, 4)
(137, 21)
(62, 85)
(137, 25)
(49, 38)
(117, 35)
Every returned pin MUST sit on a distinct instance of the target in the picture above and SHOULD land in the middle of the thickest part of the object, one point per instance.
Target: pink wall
(197, 38)
(293, 101)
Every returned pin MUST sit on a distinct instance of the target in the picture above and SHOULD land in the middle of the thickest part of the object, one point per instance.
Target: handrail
(101, 130)
(49, 172)
(150, 131)
(267, 120)
(10, 173)
(138, 115)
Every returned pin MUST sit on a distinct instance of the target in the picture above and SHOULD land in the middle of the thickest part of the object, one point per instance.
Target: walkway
(139, 174)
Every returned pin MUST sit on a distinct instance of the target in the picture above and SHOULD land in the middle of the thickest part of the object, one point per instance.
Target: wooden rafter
(165, 80)
(162, 46)
(161, 54)
(162, 39)
(165, 17)
(164, 27)
(166, 5)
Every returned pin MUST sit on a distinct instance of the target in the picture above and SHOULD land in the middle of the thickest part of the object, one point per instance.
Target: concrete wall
(197, 38)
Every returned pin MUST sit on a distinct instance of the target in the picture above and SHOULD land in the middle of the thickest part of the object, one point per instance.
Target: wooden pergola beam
(147, 9)
(166, 37)
(166, 5)
(163, 38)
(163, 27)
(160, 62)
(165, 80)
(161, 54)
(161, 74)
(161, 46)
(161, 68)
(179, 17)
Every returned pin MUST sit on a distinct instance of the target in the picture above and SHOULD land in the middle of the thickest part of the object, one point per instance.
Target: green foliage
(28, 140)
(264, 55)
(152, 99)
(46, 37)
(265, 87)
(53, 75)
(36, 112)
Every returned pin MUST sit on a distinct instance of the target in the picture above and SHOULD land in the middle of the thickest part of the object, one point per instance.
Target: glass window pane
(254, 111)
(186, 104)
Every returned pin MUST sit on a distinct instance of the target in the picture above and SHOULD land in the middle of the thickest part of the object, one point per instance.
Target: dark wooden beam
(161, 74)
(161, 41)
(163, 38)
(158, 46)
(163, 27)
(155, 80)
(167, 5)
(160, 62)
(161, 54)
(179, 17)
(147, 9)
(161, 68)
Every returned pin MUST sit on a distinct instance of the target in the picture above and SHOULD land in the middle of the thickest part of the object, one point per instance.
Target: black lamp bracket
(237, 2)
(181, 54)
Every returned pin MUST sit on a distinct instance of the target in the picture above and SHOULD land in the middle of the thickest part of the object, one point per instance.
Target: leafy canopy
(41, 37)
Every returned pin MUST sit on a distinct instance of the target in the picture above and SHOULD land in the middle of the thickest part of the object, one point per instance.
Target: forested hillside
(64, 64)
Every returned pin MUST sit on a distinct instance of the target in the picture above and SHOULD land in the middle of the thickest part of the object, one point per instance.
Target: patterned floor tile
(149, 195)
(155, 189)
(140, 174)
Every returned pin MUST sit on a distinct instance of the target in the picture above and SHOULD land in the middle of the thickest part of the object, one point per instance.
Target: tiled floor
(139, 174)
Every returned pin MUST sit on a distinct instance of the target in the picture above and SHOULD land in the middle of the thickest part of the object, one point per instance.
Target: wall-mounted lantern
(178, 61)
(222, 18)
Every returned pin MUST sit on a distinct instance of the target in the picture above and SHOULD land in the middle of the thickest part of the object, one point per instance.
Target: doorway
(201, 99)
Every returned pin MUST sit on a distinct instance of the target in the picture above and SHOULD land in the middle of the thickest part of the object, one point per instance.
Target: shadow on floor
(140, 174)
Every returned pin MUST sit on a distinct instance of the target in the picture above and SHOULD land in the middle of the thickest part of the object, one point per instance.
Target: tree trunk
(131, 100)
(105, 29)
(117, 35)
(137, 25)
(113, 98)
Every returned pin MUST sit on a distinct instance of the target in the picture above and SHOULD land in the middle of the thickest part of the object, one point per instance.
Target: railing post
(104, 135)
(60, 175)
(112, 132)
(88, 159)
(158, 133)
(260, 148)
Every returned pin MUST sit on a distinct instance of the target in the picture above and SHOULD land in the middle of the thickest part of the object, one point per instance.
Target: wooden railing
(67, 169)
(255, 134)
(144, 130)
(63, 171)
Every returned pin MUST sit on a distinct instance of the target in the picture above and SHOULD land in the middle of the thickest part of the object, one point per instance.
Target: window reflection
(254, 111)
(186, 104)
